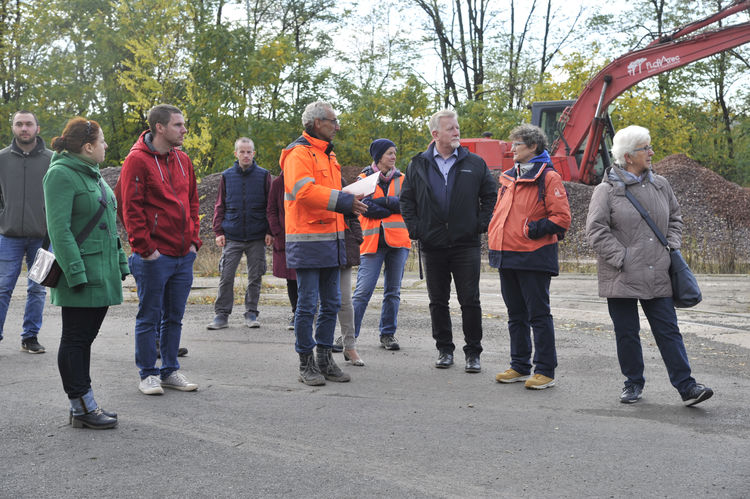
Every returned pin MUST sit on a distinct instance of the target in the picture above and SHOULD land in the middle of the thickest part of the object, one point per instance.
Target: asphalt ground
(400, 428)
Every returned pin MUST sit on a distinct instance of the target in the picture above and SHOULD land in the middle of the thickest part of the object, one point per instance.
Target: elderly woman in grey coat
(633, 265)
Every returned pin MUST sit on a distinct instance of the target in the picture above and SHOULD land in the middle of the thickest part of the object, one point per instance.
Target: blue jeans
(311, 285)
(12, 252)
(367, 278)
(663, 321)
(526, 296)
(163, 288)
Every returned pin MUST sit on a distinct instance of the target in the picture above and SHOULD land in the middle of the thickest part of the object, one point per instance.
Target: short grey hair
(530, 134)
(243, 140)
(435, 118)
(627, 140)
(317, 110)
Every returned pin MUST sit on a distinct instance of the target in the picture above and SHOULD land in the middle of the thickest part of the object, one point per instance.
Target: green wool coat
(71, 195)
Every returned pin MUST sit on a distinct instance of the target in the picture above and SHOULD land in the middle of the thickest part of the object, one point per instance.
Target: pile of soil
(716, 212)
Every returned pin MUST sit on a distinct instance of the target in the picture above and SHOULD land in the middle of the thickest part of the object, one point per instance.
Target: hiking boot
(510, 376)
(31, 345)
(338, 345)
(631, 394)
(178, 381)
(388, 341)
(219, 322)
(151, 385)
(539, 382)
(309, 373)
(328, 367)
(696, 394)
(251, 320)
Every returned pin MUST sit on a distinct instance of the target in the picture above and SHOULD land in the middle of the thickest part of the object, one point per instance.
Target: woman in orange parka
(530, 216)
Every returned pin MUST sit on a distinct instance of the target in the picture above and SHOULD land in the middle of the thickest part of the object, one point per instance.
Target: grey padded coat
(632, 263)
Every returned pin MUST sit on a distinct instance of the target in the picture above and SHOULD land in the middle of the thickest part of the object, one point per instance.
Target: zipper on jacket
(156, 222)
(137, 180)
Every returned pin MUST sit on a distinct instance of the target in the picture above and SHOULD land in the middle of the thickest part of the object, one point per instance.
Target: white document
(364, 186)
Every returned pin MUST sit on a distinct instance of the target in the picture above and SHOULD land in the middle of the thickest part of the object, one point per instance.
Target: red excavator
(581, 128)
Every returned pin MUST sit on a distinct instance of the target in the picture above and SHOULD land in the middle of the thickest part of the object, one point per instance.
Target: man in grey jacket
(22, 221)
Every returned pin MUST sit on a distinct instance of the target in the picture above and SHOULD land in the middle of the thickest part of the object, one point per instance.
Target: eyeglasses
(516, 144)
(644, 148)
(334, 120)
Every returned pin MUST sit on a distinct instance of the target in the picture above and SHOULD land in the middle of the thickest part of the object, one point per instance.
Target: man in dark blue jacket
(447, 201)
(241, 227)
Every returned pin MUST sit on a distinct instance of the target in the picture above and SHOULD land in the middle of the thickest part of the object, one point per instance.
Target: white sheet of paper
(365, 186)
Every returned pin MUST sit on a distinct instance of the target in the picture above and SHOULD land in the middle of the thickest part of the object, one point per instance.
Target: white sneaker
(178, 381)
(151, 385)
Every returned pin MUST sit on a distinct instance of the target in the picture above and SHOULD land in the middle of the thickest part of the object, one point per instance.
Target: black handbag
(45, 270)
(685, 290)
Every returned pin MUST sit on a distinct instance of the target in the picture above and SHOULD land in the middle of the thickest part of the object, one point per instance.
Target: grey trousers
(231, 254)
(346, 312)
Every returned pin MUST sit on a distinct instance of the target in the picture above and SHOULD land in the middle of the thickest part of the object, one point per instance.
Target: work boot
(328, 367)
(309, 373)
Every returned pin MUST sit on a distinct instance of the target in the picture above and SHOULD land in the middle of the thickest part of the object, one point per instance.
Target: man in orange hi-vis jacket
(315, 205)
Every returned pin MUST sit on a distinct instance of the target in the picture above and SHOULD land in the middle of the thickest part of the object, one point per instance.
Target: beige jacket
(632, 263)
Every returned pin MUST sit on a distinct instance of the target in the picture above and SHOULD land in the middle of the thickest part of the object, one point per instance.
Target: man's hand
(221, 241)
(153, 256)
(269, 239)
(193, 248)
(358, 207)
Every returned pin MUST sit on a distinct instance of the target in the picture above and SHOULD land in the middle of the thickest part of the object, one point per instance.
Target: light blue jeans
(367, 278)
(12, 252)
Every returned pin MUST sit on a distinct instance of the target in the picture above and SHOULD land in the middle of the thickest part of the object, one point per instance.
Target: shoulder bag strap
(92, 223)
(647, 218)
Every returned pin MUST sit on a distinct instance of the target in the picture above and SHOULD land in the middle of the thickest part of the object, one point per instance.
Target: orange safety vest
(394, 228)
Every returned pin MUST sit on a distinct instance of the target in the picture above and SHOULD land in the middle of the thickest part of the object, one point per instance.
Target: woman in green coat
(93, 270)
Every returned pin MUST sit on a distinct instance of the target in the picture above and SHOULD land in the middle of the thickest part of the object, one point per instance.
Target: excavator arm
(584, 121)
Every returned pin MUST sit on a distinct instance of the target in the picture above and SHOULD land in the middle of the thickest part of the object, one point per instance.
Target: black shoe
(472, 363)
(445, 360)
(182, 351)
(31, 345)
(96, 420)
(696, 394)
(112, 415)
(388, 341)
(338, 345)
(631, 394)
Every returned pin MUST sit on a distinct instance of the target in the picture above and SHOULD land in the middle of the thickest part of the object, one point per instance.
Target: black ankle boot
(328, 367)
(112, 415)
(96, 419)
(309, 373)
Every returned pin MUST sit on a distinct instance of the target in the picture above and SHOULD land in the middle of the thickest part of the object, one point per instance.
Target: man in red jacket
(160, 211)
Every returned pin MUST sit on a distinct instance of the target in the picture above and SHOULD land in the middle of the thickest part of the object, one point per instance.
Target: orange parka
(528, 220)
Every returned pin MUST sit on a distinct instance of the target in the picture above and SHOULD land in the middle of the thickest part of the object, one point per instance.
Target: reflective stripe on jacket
(314, 203)
(394, 228)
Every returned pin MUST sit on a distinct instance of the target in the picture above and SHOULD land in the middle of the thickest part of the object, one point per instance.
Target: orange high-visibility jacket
(394, 228)
(314, 204)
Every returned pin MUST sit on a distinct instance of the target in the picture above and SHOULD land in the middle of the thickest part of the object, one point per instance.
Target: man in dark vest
(241, 227)
(22, 223)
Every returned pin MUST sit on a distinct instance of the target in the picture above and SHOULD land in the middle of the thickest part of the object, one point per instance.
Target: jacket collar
(249, 168)
(429, 154)
(540, 161)
(75, 163)
(317, 143)
(38, 149)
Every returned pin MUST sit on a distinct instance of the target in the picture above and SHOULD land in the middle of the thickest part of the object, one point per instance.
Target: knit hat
(379, 147)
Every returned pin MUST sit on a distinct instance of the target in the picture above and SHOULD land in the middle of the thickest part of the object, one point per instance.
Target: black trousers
(462, 264)
(79, 328)
(291, 290)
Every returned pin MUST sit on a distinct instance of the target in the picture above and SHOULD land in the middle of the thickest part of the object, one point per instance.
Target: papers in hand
(364, 186)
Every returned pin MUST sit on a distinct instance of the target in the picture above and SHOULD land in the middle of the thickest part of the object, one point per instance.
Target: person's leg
(367, 279)
(291, 291)
(438, 277)
(465, 267)
(519, 328)
(231, 254)
(35, 294)
(150, 278)
(307, 304)
(255, 253)
(346, 312)
(395, 260)
(176, 292)
(662, 318)
(624, 314)
(535, 287)
(330, 303)
(11, 260)
(79, 329)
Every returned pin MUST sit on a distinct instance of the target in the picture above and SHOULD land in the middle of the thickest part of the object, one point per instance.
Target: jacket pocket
(93, 261)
